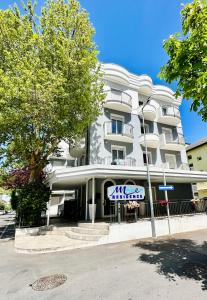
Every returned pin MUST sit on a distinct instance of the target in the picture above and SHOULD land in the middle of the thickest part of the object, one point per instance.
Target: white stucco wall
(142, 229)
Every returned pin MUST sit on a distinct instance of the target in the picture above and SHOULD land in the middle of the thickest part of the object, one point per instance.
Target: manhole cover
(49, 282)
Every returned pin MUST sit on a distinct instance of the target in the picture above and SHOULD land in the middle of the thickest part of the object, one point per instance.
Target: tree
(50, 81)
(188, 57)
(2, 205)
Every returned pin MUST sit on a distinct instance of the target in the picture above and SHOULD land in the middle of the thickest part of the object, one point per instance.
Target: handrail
(128, 161)
(149, 104)
(154, 133)
(126, 130)
(170, 111)
(122, 97)
(170, 140)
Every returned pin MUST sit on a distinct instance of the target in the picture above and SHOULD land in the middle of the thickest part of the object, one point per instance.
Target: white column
(86, 212)
(93, 199)
(48, 207)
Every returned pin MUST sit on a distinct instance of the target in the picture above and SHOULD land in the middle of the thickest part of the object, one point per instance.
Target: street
(165, 269)
(7, 226)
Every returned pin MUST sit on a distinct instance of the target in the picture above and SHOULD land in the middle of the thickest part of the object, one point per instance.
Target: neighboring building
(113, 149)
(197, 159)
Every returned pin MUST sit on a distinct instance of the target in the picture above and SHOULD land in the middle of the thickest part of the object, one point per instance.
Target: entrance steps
(88, 231)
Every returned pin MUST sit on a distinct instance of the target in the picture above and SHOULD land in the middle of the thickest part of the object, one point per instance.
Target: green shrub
(2, 205)
(14, 200)
(30, 201)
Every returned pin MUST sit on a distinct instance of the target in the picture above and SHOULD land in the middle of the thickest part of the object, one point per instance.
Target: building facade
(197, 159)
(139, 122)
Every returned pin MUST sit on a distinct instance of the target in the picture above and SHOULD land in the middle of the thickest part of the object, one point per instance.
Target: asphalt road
(7, 229)
(165, 269)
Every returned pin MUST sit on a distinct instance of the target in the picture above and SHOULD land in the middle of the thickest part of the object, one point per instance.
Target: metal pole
(93, 199)
(148, 177)
(119, 212)
(166, 199)
(86, 211)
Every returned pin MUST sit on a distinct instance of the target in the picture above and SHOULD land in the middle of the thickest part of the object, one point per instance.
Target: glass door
(118, 156)
(117, 126)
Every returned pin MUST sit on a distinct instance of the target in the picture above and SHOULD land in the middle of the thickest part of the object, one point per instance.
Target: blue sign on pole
(166, 187)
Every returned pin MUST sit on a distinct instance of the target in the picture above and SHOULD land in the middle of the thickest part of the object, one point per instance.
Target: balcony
(151, 140)
(122, 134)
(78, 148)
(168, 142)
(118, 100)
(169, 115)
(129, 161)
(150, 111)
(170, 165)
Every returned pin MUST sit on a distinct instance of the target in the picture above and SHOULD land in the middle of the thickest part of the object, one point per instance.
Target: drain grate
(49, 282)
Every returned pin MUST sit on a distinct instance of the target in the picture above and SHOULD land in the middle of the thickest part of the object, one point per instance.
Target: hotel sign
(125, 192)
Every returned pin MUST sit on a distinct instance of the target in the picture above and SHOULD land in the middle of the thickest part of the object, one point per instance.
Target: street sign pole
(166, 199)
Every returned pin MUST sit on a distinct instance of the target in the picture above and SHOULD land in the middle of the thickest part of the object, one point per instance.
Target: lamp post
(148, 175)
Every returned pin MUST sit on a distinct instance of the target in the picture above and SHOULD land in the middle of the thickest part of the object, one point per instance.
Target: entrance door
(108, 207)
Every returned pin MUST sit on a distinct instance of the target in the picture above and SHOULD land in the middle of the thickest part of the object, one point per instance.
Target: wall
(142, 229)
(199, 165)
(100, 148)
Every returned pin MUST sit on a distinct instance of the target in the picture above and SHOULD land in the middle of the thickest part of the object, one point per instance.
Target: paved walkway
(137, 270)
(47, 243)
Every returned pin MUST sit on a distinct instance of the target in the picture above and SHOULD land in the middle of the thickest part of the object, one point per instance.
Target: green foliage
(188, 57)
(50, 81)
(30, 201)
(14, 200)
(2, 205)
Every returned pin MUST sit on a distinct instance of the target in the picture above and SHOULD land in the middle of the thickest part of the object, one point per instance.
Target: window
(118, 155)
(189, 156)
(146, 126)
(171, 161)
(199, 158)
(190, 165)
(168, 134)
(164, 111)
(141, 103)
(117, 126)
(149, 155)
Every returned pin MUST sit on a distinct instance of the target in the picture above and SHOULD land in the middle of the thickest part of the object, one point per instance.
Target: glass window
(149, 158)
(164, 111)
(146, 126)
(117, 126)
(117, 154)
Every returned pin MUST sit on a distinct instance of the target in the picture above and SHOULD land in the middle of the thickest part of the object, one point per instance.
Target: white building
(113, 149)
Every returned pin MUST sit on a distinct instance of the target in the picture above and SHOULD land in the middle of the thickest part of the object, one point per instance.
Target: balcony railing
(171, 165)
(124, 130)
(114, 95)
(170, 111)
(168, 138)
(129, 161)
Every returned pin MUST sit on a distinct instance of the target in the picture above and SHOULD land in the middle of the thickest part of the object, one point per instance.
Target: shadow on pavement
(7, 233)
(177, 257)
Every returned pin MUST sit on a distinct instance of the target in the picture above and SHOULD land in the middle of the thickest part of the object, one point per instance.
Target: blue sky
(130, 33)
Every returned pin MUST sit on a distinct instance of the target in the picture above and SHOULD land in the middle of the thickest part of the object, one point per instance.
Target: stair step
(83, 237)
(94, 225)
(90, 231)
